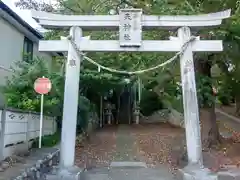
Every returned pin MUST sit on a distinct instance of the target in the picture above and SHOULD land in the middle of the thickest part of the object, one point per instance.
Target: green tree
(20, 92)
(229, 32)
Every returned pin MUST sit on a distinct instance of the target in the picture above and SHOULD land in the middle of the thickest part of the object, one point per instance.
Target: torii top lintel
(111, 22)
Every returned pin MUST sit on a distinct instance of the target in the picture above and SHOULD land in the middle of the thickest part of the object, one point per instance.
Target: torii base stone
(194, 172)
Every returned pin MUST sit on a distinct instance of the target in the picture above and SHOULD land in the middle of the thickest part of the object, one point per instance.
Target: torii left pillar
(70, 107)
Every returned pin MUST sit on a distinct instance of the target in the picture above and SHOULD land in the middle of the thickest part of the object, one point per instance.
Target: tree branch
(189, 5)
(62, 3)
(98, 5)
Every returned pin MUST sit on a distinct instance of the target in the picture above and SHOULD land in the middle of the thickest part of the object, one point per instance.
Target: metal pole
(41, 122)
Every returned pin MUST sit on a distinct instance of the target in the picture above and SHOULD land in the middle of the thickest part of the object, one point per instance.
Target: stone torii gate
(130, 23)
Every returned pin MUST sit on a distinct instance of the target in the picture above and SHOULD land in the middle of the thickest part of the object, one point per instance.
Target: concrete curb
(228, 115)
(41, 168)
(230, 173)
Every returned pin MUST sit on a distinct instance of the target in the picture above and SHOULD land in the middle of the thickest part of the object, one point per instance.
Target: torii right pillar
(190, 102)
(195, 169)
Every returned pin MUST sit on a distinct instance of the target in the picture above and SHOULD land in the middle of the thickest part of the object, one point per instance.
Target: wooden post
(70, 106)
(190, 102)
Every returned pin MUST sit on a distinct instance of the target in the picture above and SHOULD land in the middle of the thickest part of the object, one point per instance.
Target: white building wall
(18, 130)
(45, 56)
(11, 49)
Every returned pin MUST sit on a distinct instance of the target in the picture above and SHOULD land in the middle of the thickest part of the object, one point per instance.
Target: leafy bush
(150, 103)
(173, 102)
(177, 104)
(224, 99)
(204, 90)
(19, 90)
(48, 141)
(84, 108)
(225, 92)
(172, 95)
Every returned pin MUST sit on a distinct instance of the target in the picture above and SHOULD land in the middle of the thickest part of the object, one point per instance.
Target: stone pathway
(144, 143)
(125, 150)
(126, 162)
(98, 151)
(127, 174)
(110, 144)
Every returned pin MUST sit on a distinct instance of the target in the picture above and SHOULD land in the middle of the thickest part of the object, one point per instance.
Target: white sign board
(130, 27)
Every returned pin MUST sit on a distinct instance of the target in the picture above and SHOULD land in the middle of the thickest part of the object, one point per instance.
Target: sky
(24, 14)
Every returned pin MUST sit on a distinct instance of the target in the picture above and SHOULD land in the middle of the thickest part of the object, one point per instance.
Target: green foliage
(224, 95)
(100, 82)
(20, 93)
(95, 84)
(224, 99)
(177, 103)
(150, 103)
(172, 96)
(173, 102)
(19, 90)
(204, 90)
(48, 141)
(84, 109)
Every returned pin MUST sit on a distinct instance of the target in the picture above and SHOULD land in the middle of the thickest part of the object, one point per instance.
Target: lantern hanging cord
(183, 48)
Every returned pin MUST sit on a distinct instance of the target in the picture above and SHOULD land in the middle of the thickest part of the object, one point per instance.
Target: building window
(27, 50)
